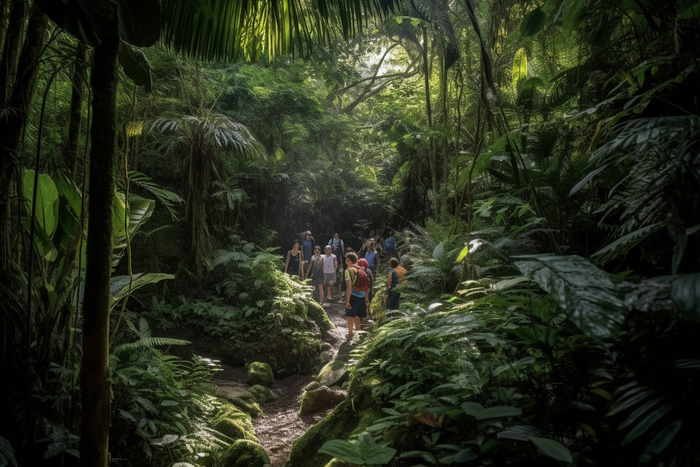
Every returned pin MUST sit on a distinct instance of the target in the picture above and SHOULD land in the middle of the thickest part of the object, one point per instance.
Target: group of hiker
(334, 263)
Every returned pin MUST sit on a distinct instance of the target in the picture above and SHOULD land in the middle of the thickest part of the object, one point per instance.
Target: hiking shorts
(330, 278)
(358, 307)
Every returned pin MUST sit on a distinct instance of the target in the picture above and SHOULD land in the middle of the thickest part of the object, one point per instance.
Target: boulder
(312, 385)
(333, 374)
(244, 453)
(260, 373)
(319, 399)
(234, 429)
(325, 357)
(261, 393)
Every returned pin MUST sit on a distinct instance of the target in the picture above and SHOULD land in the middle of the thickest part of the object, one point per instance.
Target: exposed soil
(281, 425)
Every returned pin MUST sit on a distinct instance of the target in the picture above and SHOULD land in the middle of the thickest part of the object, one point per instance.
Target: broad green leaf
(498, 412)
(466, 455)
(553, 449)
(472, 408)
(365, 451)
(592, 299)
(685, 293)
(661, 441)
(519, 432)
(625, 243)
(646, 424)
(533, 22)
(46, 212)
(463, 254)
(519, 70)
(7, 454)
(120, 284)
(691, 11)
(167, 439)
(135, 65)
(439, 251)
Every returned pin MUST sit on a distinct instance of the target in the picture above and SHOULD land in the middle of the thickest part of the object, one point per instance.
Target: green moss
(244, 453)
(337, 364)
(344, 421)
(318, 315)
(261, 393)
(250, 407)
(260, 373)
(235, 429)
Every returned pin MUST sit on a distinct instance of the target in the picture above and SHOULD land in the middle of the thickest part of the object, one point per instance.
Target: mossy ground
(244, 453)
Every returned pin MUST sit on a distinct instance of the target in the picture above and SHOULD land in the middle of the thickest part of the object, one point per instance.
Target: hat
(363, 263)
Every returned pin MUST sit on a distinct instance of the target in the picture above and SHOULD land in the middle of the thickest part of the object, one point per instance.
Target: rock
(312, 385)
(319, 399)
(229, 411)
(350, 418)
(244, 453)
(230, 389)
(261, 393)
(260, 373)
(334, 373)
(248, 406)
(325, 356)
(318, 315)
(234, 429)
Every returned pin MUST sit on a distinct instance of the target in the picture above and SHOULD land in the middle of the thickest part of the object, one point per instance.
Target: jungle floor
(280, 425)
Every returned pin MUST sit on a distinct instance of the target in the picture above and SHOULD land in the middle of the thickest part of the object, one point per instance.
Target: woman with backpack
(356, 296)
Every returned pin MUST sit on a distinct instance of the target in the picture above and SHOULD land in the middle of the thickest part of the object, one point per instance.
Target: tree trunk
(94, 384)
(435, 205)
(12, 131)
(12, 46)
(76, 108)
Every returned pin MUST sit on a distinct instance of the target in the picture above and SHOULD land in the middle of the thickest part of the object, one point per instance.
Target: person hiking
(392, 281)
(293, 266)
(308, 247)
(315, 272)
(330, 264)
(356, 301)
(372, 257)
(338, 248)
(370, 292)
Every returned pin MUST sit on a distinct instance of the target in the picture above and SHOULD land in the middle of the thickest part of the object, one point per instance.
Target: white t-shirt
(328, 267)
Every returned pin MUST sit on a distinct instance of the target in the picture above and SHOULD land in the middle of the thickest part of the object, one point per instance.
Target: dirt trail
(281, 425)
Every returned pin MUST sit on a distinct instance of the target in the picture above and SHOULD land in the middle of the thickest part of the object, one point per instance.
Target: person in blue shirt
(372, 257)
(308, 245)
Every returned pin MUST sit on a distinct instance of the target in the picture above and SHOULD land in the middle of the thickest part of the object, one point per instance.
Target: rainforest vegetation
(537, 164)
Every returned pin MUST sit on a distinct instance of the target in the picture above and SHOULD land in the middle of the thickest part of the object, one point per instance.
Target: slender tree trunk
(429, 111)
(12, 46)
(76, 108)
(94, 384)
(12, 130)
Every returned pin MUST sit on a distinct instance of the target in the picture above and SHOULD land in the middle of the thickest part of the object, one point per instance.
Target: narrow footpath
(280, 425)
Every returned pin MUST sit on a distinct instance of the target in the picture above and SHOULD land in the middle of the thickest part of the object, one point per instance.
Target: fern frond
(149, 343)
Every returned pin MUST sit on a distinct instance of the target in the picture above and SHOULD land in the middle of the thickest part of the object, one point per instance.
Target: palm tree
(201, 142)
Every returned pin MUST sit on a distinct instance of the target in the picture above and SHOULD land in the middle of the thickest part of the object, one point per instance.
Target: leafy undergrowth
(254, 312)
(565, 364)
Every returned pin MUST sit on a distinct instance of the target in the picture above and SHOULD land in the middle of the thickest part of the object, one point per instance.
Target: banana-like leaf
(120, 284)
(592, 299)
(553, 449)
(46, 212)
(135, 64)
(533, 22)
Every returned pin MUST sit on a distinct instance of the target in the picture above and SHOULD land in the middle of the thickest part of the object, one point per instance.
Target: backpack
(389, 245)
(360, 282)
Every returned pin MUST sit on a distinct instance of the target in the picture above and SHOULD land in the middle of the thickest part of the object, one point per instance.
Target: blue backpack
(390, 245)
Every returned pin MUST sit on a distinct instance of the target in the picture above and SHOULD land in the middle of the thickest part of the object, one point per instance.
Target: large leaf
(120, 284)
(365, 451)
(685, 293)
(135, 64)
(591, 298)
(46, 213)
(519, 70)
(533, 22)
(553, 449)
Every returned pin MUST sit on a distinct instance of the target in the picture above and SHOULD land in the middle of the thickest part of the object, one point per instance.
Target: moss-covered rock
(312, 385)
(320, 399)
(235, 429)
(333, 374)
(260, 373)
(349, 418)
(318, 315)
(261, 393)
(250, 407)
(244, 453)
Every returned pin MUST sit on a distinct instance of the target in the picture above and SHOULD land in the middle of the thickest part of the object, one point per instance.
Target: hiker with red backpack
(356, 293)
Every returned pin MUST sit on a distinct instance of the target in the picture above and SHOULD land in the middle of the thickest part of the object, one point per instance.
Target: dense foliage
(475, 131)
